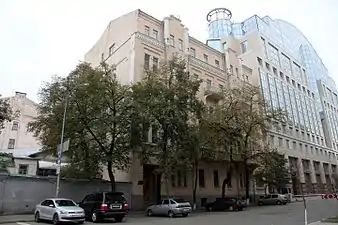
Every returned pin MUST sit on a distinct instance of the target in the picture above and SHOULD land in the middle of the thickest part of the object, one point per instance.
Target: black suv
(101, 205)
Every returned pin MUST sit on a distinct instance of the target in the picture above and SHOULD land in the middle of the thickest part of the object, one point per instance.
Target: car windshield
(180, 200)
(64, 203)
(114, 197)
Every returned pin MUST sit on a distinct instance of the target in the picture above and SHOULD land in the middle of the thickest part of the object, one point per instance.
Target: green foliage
(241, 122)
(6, 160)
(5, 112)
(98, 120)
(273, 170)
(166, 100)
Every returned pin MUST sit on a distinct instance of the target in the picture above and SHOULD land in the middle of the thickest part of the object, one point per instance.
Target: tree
(5, 112)
(165, 99)
(98, 118)
(273, 170)
(242, 120)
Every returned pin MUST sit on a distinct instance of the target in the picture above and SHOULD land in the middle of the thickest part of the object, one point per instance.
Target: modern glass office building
(292, 77)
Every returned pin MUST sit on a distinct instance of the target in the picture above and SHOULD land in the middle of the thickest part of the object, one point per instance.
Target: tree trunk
(111, 175)
(247, 180)
(226, 181)
(194, 191)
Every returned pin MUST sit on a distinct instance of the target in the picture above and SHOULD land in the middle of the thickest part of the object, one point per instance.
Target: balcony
(213, 93)
(150, 40)
(206, 66)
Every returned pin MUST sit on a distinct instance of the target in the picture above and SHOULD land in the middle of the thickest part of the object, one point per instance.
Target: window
(172, 40)
(111, 49)
(15, 125)
(237, 73)
(201, 180)
(231, 69)
(272, 140)
(146, 61)
(267, 65)
(179, 179)
(244, 46)
(173, 180)
(180, 44)
(23, 169)
(155, 34)
(220, 86)
(287, 143)
(280, 142)
(147, 30)
(155, 63)
(205, 57)
(11, 144)
(217, 63)
(216, 179)
(102, 56)
(195, 76)
(193, 52)
(165, 202)
(154, 134)
(260, 62)
(208, 84)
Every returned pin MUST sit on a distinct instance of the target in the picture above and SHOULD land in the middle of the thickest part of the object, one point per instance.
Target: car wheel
(149, 212)
(231, 208)
(55, 219)
(209, 208)
(240, 209)
(119, 219)
(37, 217)
(171, 214)
(95, 218)
(185, 214)
(260, 203)
(284, 203)
(81, 222)
(279, 202)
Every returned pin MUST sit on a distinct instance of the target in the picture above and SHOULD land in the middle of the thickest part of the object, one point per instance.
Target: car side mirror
(52, 206)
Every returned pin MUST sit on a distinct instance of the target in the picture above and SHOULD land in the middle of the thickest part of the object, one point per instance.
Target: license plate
(186, 210)
(115, 206)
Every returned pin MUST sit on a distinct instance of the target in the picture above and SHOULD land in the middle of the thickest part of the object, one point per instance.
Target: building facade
(292, 77)
(15, 134)
(235, 53)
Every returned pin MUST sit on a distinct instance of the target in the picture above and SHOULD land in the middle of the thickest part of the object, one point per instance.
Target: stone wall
(19, 195)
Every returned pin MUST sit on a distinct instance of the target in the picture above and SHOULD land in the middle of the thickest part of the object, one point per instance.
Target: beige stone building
(15, 134)
(137, 40)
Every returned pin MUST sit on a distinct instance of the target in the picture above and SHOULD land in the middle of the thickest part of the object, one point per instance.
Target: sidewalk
(16, 218)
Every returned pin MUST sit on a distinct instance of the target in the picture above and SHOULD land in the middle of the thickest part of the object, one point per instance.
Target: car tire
(260, 203)
(231, 208)
(171, 214)
(56, 219)
(209, 208)
(284, 203)
(95, 218)
(240, 209)
(149, 212)
(185, 214)
(37, 217)
(279, 202)
(81, 222)
(119, 219)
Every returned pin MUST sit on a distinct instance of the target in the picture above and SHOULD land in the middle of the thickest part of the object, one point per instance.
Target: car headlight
(63, 212)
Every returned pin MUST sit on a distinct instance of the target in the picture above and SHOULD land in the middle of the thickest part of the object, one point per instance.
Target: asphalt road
(291, 214)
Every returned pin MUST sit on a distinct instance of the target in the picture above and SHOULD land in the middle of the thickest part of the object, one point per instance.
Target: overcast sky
(40, 38)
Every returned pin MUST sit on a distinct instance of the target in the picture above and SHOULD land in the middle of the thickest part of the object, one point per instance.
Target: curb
(16, 221)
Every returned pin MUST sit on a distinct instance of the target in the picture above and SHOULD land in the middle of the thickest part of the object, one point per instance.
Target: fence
(20, 195)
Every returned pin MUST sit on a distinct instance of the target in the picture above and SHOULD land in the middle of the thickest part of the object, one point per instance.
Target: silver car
(59, 210)
(170, 207)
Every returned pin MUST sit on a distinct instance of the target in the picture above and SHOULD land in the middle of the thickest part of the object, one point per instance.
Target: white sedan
(59, 210)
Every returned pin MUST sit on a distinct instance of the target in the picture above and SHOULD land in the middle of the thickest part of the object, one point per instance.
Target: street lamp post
(61, 149)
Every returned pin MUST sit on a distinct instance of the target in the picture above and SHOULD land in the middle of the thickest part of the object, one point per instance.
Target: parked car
(59, 210)
(273, 199)
(170, 207)
(226, 203)
(103, 205)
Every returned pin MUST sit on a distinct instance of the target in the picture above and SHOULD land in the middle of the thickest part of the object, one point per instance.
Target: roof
(21, 152)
